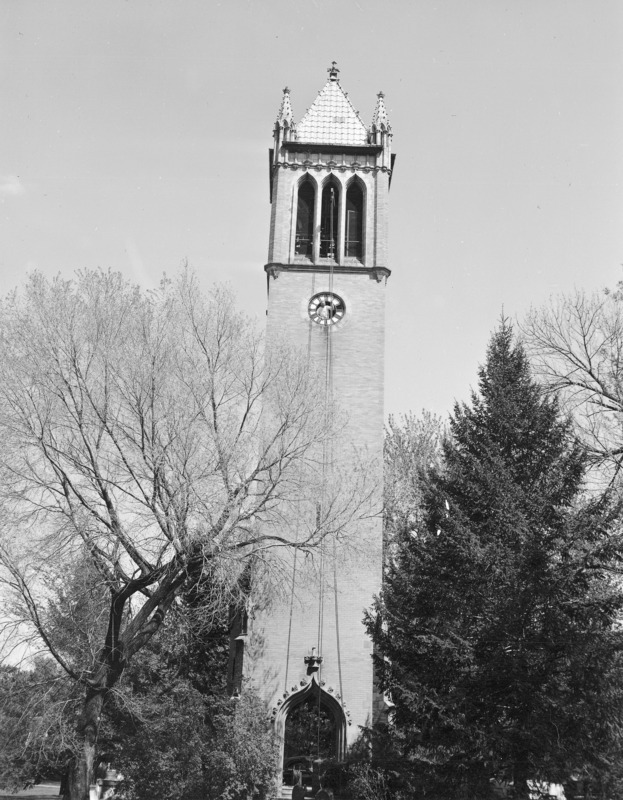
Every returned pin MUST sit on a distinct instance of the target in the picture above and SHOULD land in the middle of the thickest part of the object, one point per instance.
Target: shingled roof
(332, 119)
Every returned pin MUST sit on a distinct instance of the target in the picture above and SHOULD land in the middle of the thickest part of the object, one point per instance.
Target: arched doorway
(312, 725)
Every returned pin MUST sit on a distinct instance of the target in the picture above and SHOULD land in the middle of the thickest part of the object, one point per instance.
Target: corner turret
(381, 130)
(285, 129)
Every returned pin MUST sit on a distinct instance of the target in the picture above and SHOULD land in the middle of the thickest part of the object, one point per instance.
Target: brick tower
(327, 273)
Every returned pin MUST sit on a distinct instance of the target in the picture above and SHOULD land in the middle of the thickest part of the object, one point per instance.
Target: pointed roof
(380, 118)
(285, 109)
(332, 119)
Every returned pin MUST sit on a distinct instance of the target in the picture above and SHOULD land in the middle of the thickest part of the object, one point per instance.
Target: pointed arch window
(329, 221)
(305, 220)
(354, 221)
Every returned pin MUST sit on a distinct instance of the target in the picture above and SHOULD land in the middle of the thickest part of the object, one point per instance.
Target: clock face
(326, 308)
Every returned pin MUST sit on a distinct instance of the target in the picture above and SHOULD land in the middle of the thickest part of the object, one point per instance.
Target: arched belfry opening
(353, 246)
(305, 212)
(329, 220)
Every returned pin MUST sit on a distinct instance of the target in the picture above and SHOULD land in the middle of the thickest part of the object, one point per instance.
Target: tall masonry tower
(327, 273)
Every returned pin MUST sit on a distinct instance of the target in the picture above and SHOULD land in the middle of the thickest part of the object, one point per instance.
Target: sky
(134, 136)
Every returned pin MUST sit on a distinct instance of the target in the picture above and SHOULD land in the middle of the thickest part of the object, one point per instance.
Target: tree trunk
(81, 771)
(108, 671)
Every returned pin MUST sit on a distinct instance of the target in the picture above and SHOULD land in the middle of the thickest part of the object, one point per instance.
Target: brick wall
(284, 630)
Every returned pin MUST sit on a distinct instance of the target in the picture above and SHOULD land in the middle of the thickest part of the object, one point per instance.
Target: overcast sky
(134, 135)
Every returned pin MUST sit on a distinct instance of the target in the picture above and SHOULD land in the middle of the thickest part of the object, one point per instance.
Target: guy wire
(285, 688)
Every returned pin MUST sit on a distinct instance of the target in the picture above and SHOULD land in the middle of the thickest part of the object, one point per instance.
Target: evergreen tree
(496, 632)
(175, 733)
(173, 728)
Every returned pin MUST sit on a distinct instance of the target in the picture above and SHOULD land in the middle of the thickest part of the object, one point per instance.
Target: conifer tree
(496, 633)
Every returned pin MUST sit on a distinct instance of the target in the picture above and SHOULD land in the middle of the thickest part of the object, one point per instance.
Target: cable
(285, 688)
(337, 621)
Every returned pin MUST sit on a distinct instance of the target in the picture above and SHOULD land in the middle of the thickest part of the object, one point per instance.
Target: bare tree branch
(576, 347)
(147, 434)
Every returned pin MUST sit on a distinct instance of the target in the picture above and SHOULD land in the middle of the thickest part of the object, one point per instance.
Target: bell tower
(326, 274)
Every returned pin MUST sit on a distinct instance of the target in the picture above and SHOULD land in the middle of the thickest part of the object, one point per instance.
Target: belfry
(326, 273)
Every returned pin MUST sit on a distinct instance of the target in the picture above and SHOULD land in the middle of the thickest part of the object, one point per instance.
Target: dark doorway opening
(310, 731)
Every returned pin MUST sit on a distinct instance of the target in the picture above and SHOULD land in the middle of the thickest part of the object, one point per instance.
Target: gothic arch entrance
(311, 724)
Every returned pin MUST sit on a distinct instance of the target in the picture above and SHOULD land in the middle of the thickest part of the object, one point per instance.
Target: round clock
(326, 308)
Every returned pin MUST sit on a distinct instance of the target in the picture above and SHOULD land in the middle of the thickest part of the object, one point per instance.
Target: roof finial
(333, 71)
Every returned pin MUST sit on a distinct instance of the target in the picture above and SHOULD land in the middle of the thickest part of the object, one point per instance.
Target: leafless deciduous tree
(575, 344)
(412, 447)
(148, 430)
